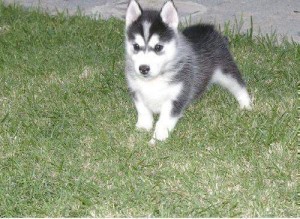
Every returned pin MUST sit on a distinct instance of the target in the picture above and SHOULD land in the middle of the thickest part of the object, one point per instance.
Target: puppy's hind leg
(234, 83)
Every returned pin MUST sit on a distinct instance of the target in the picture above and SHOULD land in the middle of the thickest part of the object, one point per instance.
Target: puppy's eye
(136, 47)
(158, 48)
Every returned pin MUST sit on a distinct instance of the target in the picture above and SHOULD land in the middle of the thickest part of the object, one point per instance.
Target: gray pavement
(280, 16)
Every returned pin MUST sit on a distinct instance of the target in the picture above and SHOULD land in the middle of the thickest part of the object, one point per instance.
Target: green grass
(69, 148)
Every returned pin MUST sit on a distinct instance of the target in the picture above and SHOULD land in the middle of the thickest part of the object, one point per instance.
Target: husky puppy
(167, 69)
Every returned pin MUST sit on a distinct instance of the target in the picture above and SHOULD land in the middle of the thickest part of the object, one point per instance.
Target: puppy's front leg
(165, 123)
(145, 116)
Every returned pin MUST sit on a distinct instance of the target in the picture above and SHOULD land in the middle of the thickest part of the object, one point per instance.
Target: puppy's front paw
(144, 125)
(246, 107)
(161, 133)
(244, 100)
(152, 141)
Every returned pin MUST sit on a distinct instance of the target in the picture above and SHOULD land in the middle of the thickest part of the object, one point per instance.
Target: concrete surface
(280, 16)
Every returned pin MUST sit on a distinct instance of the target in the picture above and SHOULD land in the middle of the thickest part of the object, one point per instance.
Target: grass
(69, 148)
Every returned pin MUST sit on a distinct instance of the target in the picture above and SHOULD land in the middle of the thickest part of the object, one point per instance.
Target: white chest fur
(154, 93)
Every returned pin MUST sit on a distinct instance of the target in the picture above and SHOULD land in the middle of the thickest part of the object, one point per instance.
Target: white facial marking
(140, 40)
(156, 61)
(153, 41)
(238, 91)
(129, 45)
(146, 29)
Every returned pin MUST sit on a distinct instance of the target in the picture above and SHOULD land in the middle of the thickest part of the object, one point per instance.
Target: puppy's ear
(169, 14)
(134, 10)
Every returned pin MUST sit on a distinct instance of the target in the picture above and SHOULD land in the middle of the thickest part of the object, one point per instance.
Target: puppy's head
(151, 38)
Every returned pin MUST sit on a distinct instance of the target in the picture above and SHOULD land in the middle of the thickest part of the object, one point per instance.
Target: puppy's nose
(144, 69)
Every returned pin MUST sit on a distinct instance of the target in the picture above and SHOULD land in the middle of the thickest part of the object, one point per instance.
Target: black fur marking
(178, 107)
(157, 27)
(135, 28)
(164, 32)
(183, 100)
(213, 50)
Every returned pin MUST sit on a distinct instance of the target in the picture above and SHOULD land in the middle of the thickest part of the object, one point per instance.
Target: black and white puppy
(167, 69)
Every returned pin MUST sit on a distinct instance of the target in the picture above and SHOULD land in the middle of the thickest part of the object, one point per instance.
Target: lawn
(69, 148)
